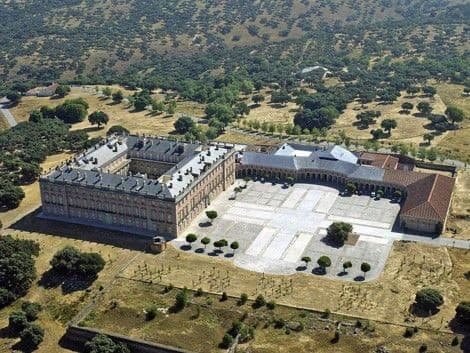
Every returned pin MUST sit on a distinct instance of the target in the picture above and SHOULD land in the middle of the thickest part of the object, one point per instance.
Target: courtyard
(276, 226)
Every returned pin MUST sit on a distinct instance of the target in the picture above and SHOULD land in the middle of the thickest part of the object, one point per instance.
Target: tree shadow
(342, 274)
(301, 268)
(112, 103)
(199, 251)
(359, 278)
(327, 241)
(69, 284)
(6, 332)
(229, 255)
(205, 224)
(423, 312)
(32, 223)
(23, 347)
(185, 247)
(319, 271)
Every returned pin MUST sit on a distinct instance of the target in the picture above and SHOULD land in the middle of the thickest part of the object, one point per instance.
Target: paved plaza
(275, 227)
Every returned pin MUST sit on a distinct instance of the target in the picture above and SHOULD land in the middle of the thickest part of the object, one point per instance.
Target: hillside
(103, 40)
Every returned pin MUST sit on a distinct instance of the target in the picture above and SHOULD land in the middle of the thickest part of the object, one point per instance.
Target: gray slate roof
(320, 160)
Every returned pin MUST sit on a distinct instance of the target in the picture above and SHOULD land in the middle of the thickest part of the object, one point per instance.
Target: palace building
(144, 185)
(156, 186)
(426, 196)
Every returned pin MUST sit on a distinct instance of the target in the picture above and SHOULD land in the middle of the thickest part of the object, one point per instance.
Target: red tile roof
(429, 197)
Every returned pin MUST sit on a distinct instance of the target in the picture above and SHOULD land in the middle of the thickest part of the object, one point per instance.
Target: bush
(243, 298)
(224, 297)
(150, 313)
(103, 344)
(32, 335)
(428, 299)
(227, 341)
(31, 310)
(409, 332)
(181, 299)
(271, 305)
(279, 323)
(423, 348)
(199, 292)
(259, 301)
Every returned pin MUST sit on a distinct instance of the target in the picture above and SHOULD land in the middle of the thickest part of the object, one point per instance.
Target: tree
(6, 297)
(141, 102)
(10, 195)
(377, 134)
(103, 344)
(32, 335)
(429, 91)
(388, 125)
(413, 90)
(347, 265)
(181, 299)
(171, 107)
(257, 98)
(191, 238)
(211, 215)
(424, 108)
(62, 90)
(35, 116)
(234, 246)
(306, 259)
(205, 241)
(184, 124)
(351, 188)
(98, 118)
(107, 92)
(17, 322)
(324, 262)
(338, 232)
(70, 112)
(158, 106)
(220, 244)
(30, 171)
(428, 300)
(462, 312)
(70, 261)
(428, 137)
(281, 96)
(407, 107)
(17, 273)
(31, 310)
(365, 267)
(118, 130)
(13, 97)
(454, 114)
(117, 97)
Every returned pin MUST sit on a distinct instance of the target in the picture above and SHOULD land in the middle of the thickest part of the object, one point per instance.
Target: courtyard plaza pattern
(276, 226)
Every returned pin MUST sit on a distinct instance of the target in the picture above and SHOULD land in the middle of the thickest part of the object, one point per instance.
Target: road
(6, 113)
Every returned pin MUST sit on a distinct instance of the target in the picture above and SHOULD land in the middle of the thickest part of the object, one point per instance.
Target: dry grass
(459, 219)
(119, 114)
(456, 143)
(410, 267)
(386, 300)
(409, 128)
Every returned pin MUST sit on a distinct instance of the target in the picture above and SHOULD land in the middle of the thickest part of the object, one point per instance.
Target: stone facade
(157, 202)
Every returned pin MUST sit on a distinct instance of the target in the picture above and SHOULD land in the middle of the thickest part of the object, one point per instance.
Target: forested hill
(43, 40)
